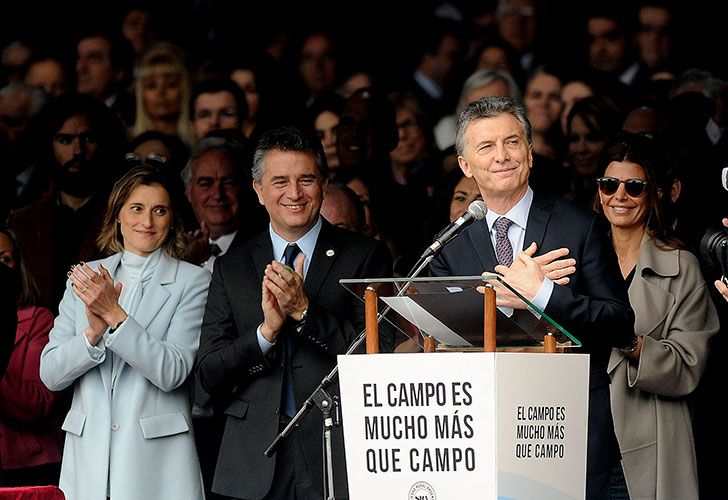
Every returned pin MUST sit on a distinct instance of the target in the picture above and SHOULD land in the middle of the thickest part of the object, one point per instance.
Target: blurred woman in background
(30, 436)
(163, 94)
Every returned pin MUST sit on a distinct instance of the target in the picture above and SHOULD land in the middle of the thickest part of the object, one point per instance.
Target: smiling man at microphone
(525, 237)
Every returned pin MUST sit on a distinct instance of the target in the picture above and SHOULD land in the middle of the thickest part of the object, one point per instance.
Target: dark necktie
(503, 248)
(289, 258)
(290, 254)
(215, 250)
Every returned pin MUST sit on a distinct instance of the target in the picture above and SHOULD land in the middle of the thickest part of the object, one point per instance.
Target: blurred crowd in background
(381, 85)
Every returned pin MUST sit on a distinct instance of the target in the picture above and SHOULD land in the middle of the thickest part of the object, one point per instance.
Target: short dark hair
(327, 102)
(288, 139)
(353, 199)
(600, 115)
(173, 143)
(121, 52)
(214, 85)
(648, 154)
(105, 124)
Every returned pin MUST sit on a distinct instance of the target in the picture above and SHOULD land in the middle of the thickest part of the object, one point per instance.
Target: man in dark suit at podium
(276, 317)
(493, 143)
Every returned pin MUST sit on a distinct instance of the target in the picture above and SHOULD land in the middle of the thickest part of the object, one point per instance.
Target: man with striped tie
(521, 235)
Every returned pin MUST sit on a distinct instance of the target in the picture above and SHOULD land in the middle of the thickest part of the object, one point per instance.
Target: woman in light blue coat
(126, 338)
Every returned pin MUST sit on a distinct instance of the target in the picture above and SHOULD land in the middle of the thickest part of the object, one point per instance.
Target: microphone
(476, 211)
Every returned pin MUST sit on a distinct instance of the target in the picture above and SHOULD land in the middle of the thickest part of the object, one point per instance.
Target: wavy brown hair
(644, 151)
(110, 239)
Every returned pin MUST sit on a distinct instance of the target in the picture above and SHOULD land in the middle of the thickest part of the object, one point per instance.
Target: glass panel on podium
(451, 310)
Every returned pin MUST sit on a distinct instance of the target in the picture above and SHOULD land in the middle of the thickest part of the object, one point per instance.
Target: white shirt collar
(224, 241)
(518, 214)
(307, 244)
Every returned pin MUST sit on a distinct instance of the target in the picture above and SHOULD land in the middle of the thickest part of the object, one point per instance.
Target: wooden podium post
(372, 326)
(549, 343)
(489, 319)
(430, 344)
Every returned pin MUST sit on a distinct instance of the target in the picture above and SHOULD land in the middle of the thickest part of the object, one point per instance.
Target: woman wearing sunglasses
(674, 321)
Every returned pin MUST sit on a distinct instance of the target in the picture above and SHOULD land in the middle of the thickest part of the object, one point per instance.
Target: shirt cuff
(543, 295)
(265, 346)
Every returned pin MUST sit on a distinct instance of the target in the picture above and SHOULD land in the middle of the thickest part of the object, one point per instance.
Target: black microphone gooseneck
(477, 210)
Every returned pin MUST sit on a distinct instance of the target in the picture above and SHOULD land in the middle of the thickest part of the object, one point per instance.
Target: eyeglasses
(151, 160)
(634, 187)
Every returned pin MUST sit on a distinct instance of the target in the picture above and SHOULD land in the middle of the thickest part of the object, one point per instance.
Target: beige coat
(650, 397)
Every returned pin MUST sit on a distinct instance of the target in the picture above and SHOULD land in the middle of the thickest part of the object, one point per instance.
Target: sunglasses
(634, 187)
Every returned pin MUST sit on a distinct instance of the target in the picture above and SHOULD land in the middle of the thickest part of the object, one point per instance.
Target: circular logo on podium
(422, 491)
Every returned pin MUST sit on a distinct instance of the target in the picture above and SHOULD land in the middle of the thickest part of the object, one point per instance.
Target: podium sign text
(465, 425)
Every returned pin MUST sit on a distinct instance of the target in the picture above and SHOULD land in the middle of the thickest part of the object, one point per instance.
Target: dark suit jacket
(594, 306)
(232, 367)
(209, 422)
(124, 106)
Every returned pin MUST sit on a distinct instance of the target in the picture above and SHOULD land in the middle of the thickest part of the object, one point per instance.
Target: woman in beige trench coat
(674, 321)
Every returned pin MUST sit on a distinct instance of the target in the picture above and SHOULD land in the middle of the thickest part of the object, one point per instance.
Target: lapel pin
(329, 253)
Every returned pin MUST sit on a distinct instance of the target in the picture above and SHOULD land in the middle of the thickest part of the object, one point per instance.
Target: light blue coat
(135, 431)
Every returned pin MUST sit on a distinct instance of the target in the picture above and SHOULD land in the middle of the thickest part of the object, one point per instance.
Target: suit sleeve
(672, 366)
(166, 360)
(66, 357)
(439, 266)
(333, 333)
(228, 357)
(597, 311)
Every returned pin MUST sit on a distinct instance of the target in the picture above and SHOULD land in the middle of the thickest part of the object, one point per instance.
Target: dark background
(380, 34)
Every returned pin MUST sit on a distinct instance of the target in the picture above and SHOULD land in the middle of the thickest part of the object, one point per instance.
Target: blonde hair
(158, 61)
(110, 239)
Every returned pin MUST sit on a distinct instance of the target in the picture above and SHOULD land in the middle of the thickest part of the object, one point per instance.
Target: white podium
(457, 426)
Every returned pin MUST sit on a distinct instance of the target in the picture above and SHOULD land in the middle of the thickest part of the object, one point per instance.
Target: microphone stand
(326, 403)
